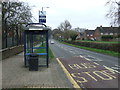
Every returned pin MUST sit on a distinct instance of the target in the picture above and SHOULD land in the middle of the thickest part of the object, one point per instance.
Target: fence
(12, 37)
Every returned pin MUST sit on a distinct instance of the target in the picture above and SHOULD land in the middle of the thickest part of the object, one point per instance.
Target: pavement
(15, 75)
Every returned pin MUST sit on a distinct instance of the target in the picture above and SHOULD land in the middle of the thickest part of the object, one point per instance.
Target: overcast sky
(80, 13)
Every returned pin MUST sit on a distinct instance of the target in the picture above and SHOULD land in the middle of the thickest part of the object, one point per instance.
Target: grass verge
(96, 50)
(111, 42)
(51, 56)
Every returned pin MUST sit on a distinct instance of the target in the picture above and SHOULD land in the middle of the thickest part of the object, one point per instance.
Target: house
(100, 31)
(79, 36)
(88, 35)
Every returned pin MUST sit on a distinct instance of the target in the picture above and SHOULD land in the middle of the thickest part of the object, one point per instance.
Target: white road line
(111, 69)
(72, 52)
(108, 68)
(115, 67)
(94, 58)
(97, 60)
(96, 63)
(85, 58)
(81, 56)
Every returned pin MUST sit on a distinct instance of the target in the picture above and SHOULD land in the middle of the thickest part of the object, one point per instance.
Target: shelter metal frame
(32, 32)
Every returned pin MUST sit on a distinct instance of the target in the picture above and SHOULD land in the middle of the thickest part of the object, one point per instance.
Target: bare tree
(13, 15)
(114, 12)
(78, 29)
(65, 26)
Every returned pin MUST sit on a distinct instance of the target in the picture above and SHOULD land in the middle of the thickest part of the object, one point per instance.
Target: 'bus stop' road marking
(84, 73)
(75, 85)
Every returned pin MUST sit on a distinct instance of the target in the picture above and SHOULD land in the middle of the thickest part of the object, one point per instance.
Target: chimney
(111, 27)
(100, 26)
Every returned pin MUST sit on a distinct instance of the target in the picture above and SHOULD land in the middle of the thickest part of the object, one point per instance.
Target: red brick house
(88, 35)
(80, 36)
(100, 31)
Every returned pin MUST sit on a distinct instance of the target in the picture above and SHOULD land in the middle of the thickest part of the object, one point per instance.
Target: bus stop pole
(47, 47)
(25, 48)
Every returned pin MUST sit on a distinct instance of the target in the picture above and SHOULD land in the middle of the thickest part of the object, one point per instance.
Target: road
(76, 60)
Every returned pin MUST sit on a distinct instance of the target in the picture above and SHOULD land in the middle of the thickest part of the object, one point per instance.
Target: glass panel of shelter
(36, 43)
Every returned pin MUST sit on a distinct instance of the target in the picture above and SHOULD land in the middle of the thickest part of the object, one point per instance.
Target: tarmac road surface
(88, 69)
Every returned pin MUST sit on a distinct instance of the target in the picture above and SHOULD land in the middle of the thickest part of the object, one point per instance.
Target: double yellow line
(74, 83)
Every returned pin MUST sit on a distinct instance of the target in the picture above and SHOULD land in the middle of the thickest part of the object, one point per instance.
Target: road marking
(81, 56)
(81, 66)
(94, 58)
(90, 59)
(85, 58)
(96, 63)
(115, 67)
(108, 68)
(111, 69)
(72, 52)
(74, 83)
(90, 76)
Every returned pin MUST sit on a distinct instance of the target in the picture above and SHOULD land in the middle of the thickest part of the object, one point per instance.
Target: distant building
(80, 36)
(100, 31)
(88, 34)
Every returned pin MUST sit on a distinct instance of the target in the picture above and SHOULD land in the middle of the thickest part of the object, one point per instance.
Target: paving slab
(15, 75)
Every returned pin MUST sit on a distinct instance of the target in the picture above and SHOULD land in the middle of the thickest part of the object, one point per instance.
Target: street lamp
(45, 7)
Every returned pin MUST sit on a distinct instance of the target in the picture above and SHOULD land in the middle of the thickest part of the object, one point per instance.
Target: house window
(106, 33)
(111, 33)
(101, 33)
(91, 35)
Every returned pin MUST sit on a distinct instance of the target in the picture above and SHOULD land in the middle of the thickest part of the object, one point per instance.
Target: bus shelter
(36, 42)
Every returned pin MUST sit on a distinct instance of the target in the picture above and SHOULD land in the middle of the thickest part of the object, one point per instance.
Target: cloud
(80, 13)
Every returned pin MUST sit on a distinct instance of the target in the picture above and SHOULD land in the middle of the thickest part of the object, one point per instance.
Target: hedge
(104, 46)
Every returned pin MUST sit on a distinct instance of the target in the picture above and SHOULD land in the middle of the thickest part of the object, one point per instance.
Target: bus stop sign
(42, 16)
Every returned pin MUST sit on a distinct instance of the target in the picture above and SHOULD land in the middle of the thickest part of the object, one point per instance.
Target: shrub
(104, 46)
(107, 37)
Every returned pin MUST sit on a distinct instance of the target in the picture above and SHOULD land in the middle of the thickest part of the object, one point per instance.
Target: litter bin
(33, 62)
